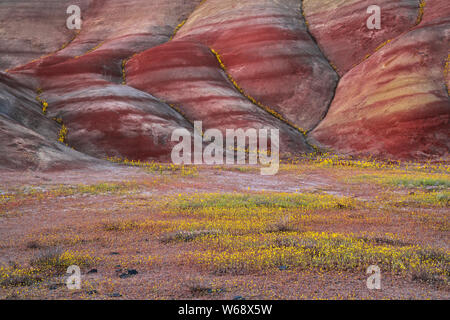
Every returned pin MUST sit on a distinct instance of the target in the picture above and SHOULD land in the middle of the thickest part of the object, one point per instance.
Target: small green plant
(406, 180)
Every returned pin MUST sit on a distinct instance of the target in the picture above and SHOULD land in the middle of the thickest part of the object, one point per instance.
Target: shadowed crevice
(329, 63)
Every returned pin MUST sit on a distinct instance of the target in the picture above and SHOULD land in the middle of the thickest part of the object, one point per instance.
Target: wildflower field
(160, 231)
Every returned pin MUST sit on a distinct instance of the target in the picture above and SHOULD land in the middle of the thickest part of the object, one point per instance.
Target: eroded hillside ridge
(138, 70)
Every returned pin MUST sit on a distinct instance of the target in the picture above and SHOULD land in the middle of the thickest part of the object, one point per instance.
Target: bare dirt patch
(130, 233)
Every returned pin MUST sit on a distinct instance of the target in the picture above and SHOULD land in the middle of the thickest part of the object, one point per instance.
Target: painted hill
(139, 69)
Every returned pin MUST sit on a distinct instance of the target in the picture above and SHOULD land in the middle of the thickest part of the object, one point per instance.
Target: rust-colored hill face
(396, 102)
(339, 27)
(266, 48)
(126, 80)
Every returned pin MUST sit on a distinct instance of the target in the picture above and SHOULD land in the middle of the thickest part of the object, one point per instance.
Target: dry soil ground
(164, 232)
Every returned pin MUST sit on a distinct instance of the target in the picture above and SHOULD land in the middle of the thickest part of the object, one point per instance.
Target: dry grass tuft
(284, 224)
(55, 260)
(198, 287)
(187, 236)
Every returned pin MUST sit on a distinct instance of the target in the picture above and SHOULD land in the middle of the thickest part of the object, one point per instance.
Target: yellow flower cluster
(70, 41)
(178, 27)
(333, 66)
(185, 170)
(329, 251)
(90, 50)
(58, 262)
(18, 197)
(6, 197)
(382, 45)
(42, 267)
(333, 160)
(62, 136)
(149, 226)
(43, 103)
(58, 120)
(260, 200)
(18, 276)
(124, 74)
(338, 162)
(423, 199)
(177, 109)
(447, 66)
(367, 56)
(422, 5)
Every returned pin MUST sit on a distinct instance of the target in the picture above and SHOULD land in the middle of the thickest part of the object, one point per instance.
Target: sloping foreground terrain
(139, 69)
(226, 232)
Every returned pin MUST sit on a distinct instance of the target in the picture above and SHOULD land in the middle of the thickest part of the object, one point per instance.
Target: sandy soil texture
(158, 231)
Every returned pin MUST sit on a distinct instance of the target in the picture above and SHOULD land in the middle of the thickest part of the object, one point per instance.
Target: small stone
(92, 271)
(238, 298)
(115, 295)
(129, 273)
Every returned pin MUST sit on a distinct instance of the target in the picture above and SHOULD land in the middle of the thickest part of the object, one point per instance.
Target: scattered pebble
(115, 295)
(132, 271)
(55, 286)
(129, 273)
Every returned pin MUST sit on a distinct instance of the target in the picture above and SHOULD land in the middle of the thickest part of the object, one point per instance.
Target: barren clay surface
(216, 232)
